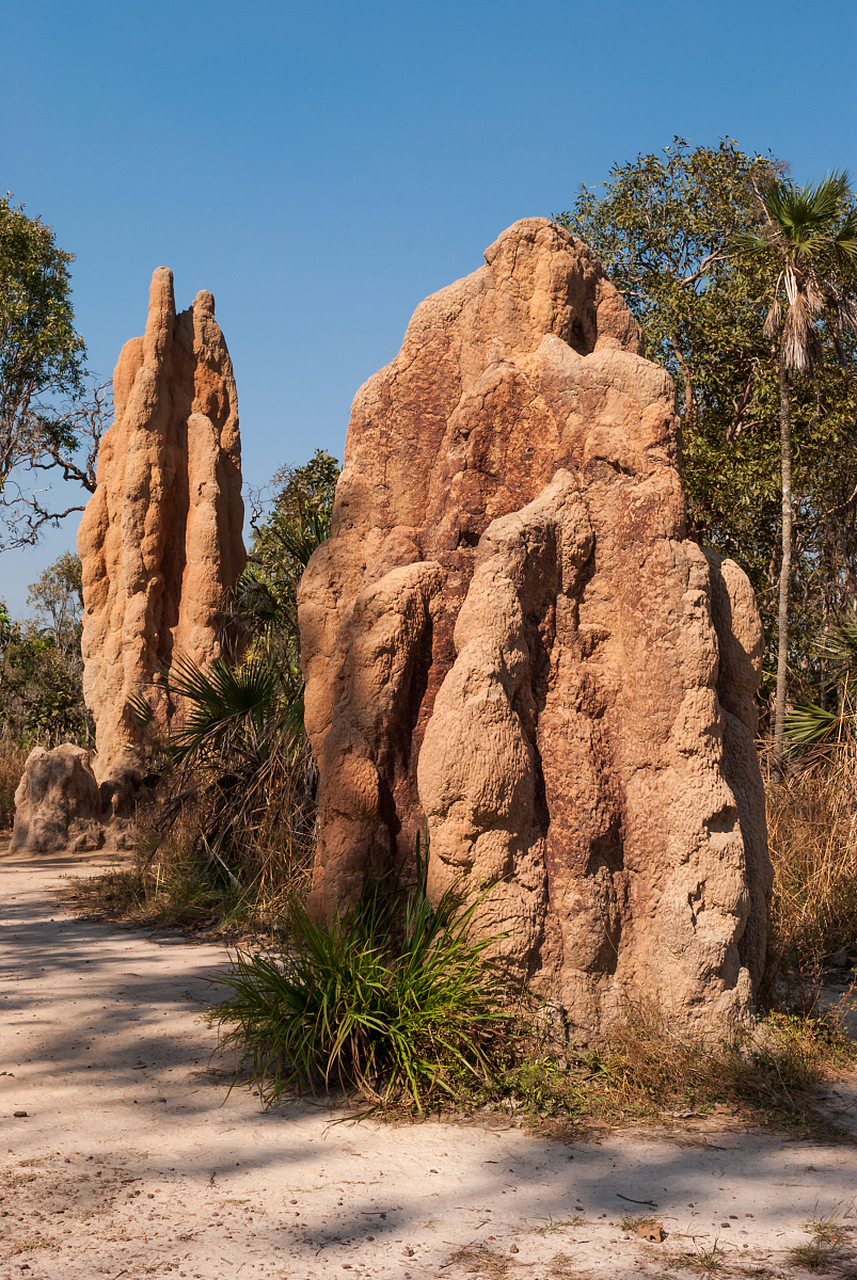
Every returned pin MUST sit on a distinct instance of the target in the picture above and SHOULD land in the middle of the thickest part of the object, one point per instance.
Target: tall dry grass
(812, 832)
(228, 859)
(13, 757)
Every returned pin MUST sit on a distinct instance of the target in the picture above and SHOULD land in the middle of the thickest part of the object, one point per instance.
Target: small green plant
(39, 1242)
(830, 1229)
(829, 1234)
(553, 1225)
(708, 1259)
(813, 1256)
(400, 1005)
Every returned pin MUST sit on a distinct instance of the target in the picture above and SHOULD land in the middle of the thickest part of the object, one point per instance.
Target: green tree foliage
(41, 671)
(57, 597)
(808, 245)
(666, 228)
(264, 615)
(298, 520)
(41, 354)
(242, 756)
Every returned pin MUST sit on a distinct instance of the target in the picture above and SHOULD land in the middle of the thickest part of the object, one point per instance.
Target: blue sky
(322, 167)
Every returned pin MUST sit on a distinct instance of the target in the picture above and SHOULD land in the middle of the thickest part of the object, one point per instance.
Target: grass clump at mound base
(397, 1003)
(642, 1070)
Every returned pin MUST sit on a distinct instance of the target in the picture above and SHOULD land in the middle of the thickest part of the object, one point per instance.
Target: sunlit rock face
(160, 540)
(510, 637)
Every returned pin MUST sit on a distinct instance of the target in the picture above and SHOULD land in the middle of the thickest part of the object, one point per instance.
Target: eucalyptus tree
(807, 246)
(667, 228)
(51, 422)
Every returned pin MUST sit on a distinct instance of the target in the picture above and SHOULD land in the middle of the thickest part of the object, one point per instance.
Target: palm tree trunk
(785, 568)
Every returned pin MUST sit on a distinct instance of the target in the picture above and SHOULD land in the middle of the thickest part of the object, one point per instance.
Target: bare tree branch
(66, 444)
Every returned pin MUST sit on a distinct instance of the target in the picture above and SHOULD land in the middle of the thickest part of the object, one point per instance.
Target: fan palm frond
(845, 242)
(222, 703)
(841, 646)
(300, 540)
(810, 725)
(754, 242)
(800, 211)
(140, 709)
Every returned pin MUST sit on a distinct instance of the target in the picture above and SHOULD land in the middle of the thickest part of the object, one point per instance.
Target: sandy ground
(122, 1153)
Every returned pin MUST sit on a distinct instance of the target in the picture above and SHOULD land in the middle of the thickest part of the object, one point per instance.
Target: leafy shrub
(399, 1006)
(41, 694)
(13, 757)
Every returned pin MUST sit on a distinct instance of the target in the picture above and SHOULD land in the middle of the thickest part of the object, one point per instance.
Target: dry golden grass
(177, 877)
(812, 832)
(646, 1070)
(13, 757)
(478, 1260)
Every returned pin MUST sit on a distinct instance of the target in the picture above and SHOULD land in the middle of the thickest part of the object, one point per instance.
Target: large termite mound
(160, 540)
(510, 636)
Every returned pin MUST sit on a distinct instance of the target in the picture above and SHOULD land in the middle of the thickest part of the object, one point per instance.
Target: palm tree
(809, 244)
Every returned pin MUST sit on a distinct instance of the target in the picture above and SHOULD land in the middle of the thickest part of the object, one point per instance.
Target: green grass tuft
(401, 1006)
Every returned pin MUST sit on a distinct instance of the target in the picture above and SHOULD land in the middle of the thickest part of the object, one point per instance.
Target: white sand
(134, 1160)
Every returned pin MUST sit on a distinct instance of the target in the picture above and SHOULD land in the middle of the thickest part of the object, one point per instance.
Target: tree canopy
(44, 408)
(808, 243)
(668, 229)
(41, 669)
(40, 351)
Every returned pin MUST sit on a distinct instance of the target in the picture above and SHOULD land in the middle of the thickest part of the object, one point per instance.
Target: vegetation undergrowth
(13, 757)
(392, 1002)
(399, 1006)
(230, 839)
(642, 1070)
(391, 999)
(812, 834)
(180, 878)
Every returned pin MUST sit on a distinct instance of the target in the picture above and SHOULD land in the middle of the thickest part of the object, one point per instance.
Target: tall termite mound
(510, 636)
(160, 540)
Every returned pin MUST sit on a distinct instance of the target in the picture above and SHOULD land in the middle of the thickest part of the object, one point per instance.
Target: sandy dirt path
(128, 1157)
